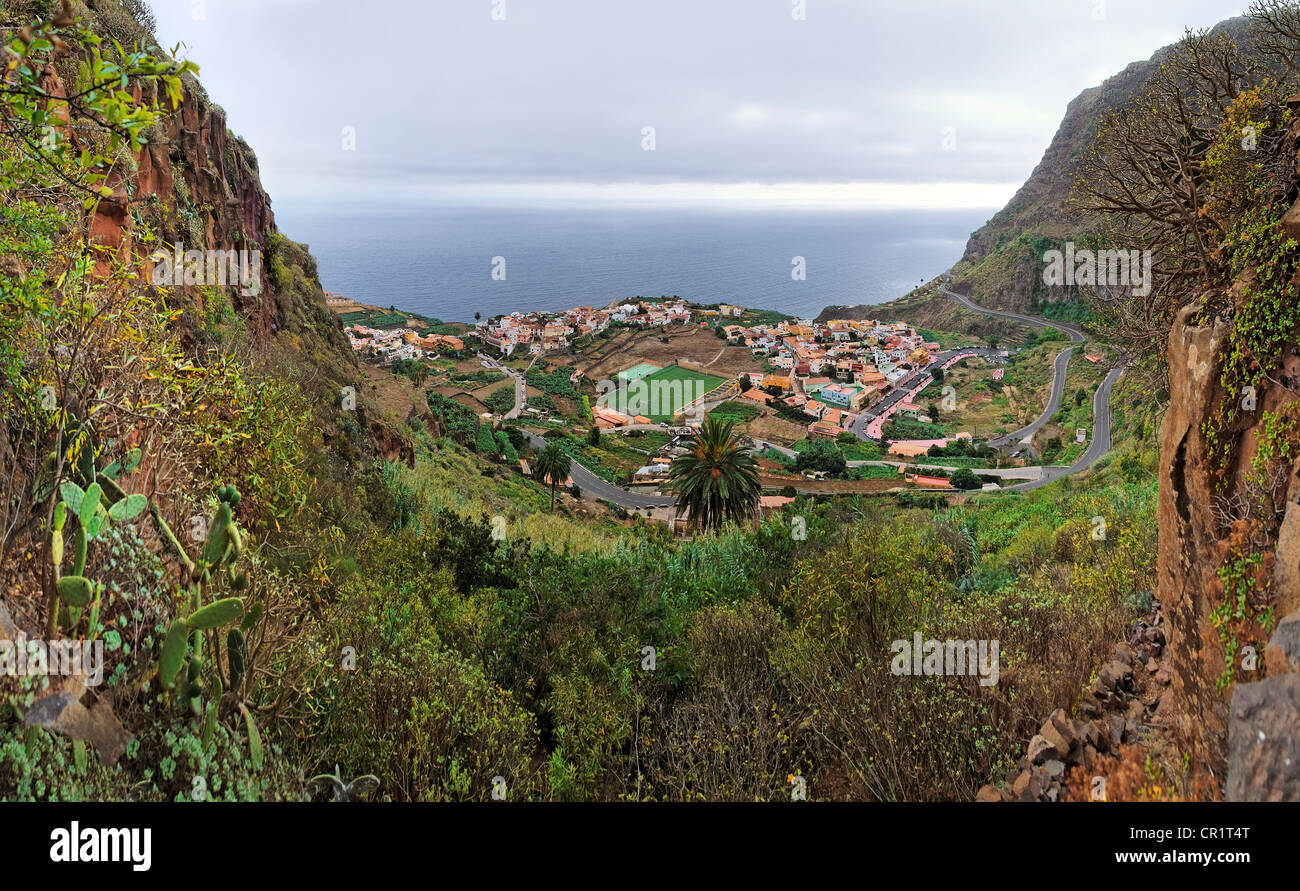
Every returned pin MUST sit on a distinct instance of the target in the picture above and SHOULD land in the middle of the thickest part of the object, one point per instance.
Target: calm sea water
(438, 261)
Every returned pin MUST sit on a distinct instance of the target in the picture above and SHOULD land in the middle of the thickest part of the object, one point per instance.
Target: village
(838, 380)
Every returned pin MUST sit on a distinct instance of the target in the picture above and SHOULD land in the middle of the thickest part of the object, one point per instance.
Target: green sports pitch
(661, 394)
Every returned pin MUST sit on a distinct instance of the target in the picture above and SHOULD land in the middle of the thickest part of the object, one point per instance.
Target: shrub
(821, 455)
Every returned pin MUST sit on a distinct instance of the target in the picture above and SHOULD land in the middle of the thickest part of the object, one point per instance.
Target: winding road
(1101, 407)
(1024, 434)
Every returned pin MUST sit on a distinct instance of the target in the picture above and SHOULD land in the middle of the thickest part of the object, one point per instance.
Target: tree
(505, 448)
(745, 383)
(593, 436)
(1277, 31)
(717, 480)
(965, 479)
(1157, 171)
(821, 455)
(1080, 397)
(486, 445)
(553, 467)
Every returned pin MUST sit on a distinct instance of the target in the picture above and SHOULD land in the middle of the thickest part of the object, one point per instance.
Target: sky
(823, 103)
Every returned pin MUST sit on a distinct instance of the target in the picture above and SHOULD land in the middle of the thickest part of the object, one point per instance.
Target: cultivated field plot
(661, 394)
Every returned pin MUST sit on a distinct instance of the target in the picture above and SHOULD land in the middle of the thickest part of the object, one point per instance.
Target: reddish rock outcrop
(1187, 563)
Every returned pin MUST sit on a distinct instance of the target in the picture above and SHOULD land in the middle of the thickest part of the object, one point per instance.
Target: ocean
(439, 261)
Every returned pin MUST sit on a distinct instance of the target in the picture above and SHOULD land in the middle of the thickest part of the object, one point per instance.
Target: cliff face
(1197, 537)
(1189, 541)
(196, 186)
(1002, 265)
(1234, 522)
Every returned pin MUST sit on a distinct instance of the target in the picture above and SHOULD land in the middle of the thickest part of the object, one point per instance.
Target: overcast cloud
(747, 104)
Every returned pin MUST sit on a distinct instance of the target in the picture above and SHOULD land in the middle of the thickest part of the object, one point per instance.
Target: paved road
(912, 383)
(1011, 473)
(1101, 438)
(1024, 434)
(594, 487)
(1101, 407)
(1072, 331)
(1025, 473)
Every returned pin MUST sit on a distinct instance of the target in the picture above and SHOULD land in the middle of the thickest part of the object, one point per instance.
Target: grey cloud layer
(736, 89)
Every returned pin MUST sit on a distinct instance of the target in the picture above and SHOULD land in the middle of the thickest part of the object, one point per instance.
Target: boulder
(1090, 733)
(1116, 732)
(1264, 741)
(1283, 653)
(1286, 560)
(1041, 750)
(1060, 742)
(1115, 675)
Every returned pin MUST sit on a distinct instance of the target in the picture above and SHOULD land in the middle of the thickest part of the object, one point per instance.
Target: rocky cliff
(196, 186)
(1003, 262)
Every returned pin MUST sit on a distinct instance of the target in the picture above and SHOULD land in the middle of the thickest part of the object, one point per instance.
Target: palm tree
(717, 480)
(553, 466)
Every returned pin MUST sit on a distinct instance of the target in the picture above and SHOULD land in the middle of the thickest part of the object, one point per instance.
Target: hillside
(310, 578)
(1002, 266)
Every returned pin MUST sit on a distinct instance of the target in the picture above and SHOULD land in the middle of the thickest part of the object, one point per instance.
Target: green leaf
(254, 738)
(214, 615)
(173, 653)
(89, 505)
(73, 496)
(123, 465)
(129, 508)
(75, 590)
(210, 722)
(218, 536)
